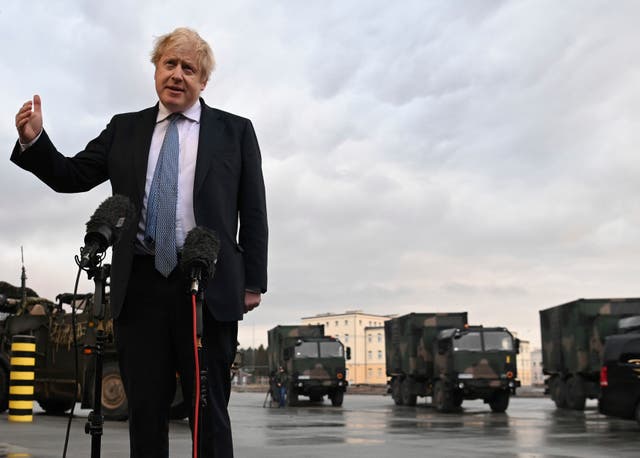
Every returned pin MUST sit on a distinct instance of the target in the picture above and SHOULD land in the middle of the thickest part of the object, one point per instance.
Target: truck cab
(316, 367)
(475, 362)
(620, 372)
(314, 364)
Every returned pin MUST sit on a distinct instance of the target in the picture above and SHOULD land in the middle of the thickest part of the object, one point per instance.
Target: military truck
(620, 372)
(573, 337)
(55, 387)
(439, 355)
(314, 363)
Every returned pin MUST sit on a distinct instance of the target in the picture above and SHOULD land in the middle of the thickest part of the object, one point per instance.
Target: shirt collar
(192, 113)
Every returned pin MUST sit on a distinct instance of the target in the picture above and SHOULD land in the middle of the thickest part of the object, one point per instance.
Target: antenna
(23, 283)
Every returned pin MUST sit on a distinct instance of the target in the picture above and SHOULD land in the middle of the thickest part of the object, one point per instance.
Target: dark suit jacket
(228, 191)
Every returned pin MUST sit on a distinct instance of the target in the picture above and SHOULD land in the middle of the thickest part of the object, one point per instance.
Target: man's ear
(203, 84)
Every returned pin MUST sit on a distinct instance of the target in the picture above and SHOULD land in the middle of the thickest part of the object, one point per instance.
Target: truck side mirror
(348, 352)
(517, 345)
(286, 354)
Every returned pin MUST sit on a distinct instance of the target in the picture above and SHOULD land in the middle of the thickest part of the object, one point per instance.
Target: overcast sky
(419, 156)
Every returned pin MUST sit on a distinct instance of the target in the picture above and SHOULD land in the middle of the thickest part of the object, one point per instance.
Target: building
(523, 361)
(537, 376)
(363, 333)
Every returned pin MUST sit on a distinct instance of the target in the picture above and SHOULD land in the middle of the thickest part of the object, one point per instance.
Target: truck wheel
(408, 398)
(395, 391)
(114, 400)
(499, 401)
(4, 389)
(559, 393)
(292, 397)
(458, 397)
(575, 393)
(442, 399)
(56, 406)
(337, 398)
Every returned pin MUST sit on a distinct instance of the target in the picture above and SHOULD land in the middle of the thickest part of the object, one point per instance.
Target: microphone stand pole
(94, 425)
(203, 369)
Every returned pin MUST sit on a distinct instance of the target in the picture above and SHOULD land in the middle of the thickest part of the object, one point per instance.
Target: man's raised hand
(29, 120)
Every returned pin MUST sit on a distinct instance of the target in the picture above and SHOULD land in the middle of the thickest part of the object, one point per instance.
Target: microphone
(199, 255)
(105, 226)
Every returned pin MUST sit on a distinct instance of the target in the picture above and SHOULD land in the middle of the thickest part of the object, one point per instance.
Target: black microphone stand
(94, 425)
(197, 292)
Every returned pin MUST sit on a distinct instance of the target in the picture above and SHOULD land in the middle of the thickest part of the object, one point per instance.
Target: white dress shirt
(188, 131)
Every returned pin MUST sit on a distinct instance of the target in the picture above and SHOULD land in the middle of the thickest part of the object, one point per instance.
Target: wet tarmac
(366, 426)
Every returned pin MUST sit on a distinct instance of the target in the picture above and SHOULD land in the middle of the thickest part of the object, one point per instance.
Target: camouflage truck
(55, 387)
(573, 337)
(439, 355)
(314, 363)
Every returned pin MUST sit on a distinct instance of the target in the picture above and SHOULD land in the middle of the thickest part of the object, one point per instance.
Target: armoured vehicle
(620, 372)
(314, 363)
(55, 385)
(573, 337)
(439, 355)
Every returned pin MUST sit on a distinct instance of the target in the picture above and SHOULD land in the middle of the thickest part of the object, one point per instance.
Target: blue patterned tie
(163, 196)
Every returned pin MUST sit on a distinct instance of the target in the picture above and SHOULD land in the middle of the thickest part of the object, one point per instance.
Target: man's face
(178, 79)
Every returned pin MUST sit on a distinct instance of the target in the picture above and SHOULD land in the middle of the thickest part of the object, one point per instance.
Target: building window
(379, 372)
(360, 322)
(379, 337)
(369, 338)
(346, 322)
(336, 322)
(327, 324)
(369, 372)
(379, 354)
(338, 336)
(369, 355)
(346, 338)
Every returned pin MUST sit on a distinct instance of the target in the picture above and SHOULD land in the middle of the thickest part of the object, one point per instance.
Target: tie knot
(174, 117)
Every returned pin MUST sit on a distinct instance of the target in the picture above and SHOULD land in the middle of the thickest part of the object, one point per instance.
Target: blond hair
(183, 37)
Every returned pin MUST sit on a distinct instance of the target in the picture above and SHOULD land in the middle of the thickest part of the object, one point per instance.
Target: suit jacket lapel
(210, 133)
(143, 131)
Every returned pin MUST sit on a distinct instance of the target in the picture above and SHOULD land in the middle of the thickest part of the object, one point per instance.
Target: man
(281, 383)
(219, 185)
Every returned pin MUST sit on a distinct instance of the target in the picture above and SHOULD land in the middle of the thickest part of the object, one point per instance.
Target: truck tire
(499, 401)
(395, 391)
(114, 400)
(4, 389)
(337, 398)
(442, 399)
(458, 397)
(56, 406)
(575, 393)
(292, 397)
(408, 398)
(559, 393)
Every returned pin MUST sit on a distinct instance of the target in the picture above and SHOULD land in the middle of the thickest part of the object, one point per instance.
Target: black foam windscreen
(200, 251)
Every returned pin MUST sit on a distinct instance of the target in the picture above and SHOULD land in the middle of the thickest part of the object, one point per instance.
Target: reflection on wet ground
(366, 426)
(530, 428)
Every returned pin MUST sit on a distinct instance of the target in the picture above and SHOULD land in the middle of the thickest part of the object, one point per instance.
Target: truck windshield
(471, 341)
(498, 340)
(307, 350)
(331, 350)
